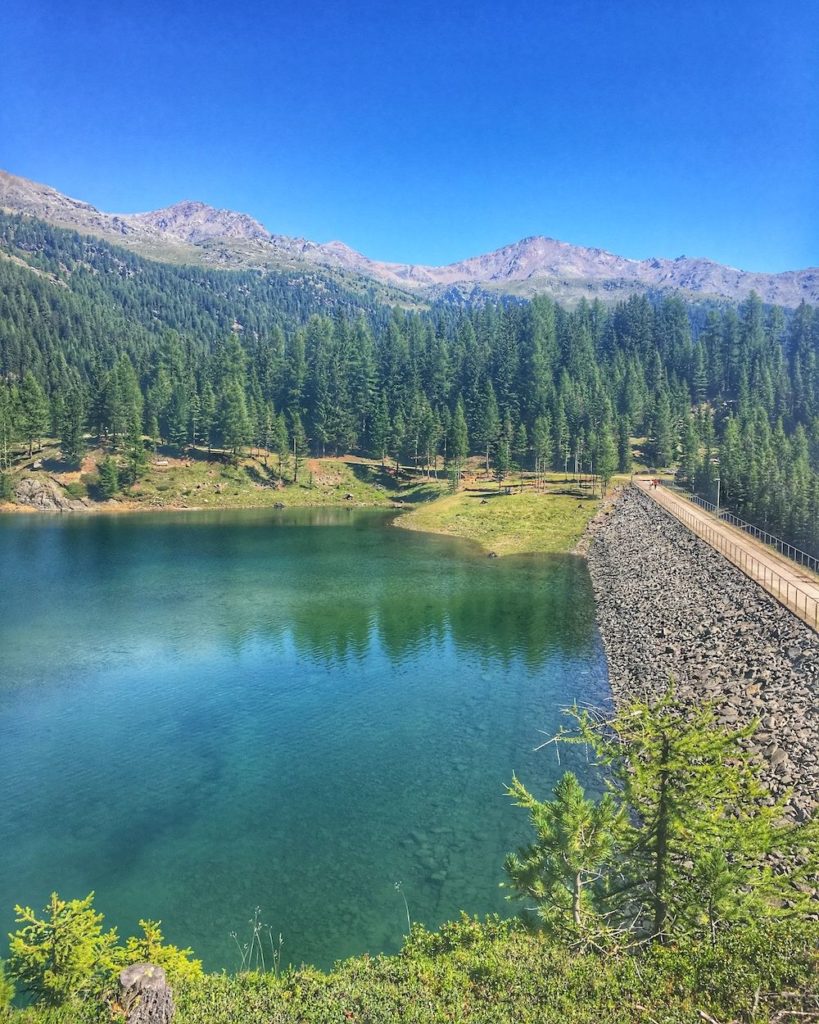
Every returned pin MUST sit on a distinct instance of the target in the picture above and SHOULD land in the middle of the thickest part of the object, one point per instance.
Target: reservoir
(311, 712)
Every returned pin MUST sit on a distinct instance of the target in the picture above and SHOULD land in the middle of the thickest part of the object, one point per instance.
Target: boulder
(46, 495)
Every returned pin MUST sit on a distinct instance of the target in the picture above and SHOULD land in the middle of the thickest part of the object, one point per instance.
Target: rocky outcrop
(669, 605)
(46, 495)
(144, 995)
(196, 223)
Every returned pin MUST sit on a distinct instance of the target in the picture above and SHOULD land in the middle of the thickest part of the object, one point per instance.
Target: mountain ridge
(193, 231)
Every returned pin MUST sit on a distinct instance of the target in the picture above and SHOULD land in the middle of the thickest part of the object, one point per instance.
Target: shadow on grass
(420, 495)
(379, 476)
(56, 465)
(266, 476)
(171, 451)
(568, 492)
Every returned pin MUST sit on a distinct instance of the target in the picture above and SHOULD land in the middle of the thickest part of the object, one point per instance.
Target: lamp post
(717, 497)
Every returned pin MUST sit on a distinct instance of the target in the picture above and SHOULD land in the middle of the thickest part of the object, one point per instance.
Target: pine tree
(625, 460)
(458, 439)
(605, 456)
(281, 444)
(691, 788)
(397, 438)
(65, 955)
(108, 477)
(662, 444)
(502, 461)
(490, 427)
(576, 841)
(562, 445)
(542, 445)
(33, 411)
(520, 445)
(179, 965)
(299, 444)
(234, 422)
(9, 419)
(380, 431)
(690, 455)
(72, 427)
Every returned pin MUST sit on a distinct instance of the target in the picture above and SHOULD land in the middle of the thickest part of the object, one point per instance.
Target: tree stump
(145, 995)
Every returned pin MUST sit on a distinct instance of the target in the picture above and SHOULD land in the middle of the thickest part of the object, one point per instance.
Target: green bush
(77, 490)
(65, 958)
(6, 989)
(498, 971)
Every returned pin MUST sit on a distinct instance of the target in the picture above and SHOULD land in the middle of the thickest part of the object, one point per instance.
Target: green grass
(498, 972)
(547, 522)
(208, 482)
(550, 521)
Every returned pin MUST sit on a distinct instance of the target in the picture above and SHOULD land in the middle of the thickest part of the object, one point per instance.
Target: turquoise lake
(205, 713)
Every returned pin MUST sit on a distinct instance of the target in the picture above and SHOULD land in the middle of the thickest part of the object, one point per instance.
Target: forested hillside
(96, 340)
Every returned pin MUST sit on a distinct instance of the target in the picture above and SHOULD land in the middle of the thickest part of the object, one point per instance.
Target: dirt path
(794, 587)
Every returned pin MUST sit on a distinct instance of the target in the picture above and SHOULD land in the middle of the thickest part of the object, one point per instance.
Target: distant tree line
(98, 341)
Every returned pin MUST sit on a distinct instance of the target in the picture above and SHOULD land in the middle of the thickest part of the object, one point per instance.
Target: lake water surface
(204, 713)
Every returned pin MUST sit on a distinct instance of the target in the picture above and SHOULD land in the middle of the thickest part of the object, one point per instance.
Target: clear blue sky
(427, 132)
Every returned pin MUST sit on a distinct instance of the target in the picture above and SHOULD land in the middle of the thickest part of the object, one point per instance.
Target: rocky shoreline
(669, 605)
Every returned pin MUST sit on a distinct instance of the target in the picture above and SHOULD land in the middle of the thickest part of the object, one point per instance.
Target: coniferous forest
(95, 341)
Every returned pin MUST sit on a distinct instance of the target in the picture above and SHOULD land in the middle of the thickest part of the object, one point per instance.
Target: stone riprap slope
(669, 605)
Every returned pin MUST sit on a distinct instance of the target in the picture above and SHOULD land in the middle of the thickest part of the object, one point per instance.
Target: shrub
(6, 487)
(77, 490)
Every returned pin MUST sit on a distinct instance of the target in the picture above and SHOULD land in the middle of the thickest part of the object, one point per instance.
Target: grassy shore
(202, 480)
(513, 519)
(524, 521)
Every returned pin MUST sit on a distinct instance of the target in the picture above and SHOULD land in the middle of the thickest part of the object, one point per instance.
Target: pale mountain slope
(195, 232)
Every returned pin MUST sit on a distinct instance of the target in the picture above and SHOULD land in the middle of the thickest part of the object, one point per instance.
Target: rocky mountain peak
(195, 222)
(191, 231)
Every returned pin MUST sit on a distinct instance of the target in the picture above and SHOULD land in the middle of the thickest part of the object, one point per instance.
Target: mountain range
(193, 232)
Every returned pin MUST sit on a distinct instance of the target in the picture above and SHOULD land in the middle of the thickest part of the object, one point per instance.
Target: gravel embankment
(669, 605)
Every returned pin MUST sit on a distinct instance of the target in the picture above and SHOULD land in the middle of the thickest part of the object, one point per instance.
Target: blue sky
(427, 132)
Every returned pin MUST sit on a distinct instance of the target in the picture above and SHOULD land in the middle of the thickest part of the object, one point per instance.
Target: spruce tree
(63, 956)
(458, 439)
(689, 833)
(625, 460)
(662, 444)
(605, 456)
(542, 445)
(33, 411)
(234, 422)
(380, 431)
(281, 444)
(108, 477)
(490, 427)
(502, 461)
(72, 428)
(299, 444)
(692, 788)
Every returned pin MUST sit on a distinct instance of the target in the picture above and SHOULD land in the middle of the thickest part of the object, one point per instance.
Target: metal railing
(797, 600)
(782, 546)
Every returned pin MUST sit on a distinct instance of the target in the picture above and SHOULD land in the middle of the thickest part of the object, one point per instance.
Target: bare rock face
(46, 495)
(145, 995)
(195, 223)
